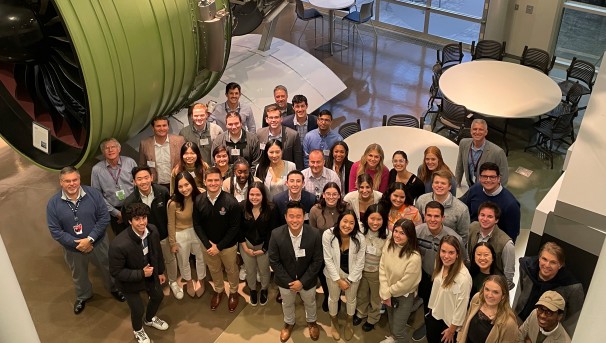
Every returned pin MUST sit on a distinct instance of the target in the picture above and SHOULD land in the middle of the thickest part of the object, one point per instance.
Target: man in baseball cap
(543, 324)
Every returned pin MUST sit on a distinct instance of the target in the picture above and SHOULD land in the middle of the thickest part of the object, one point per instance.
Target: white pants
(334, 293)
(288, 304)
(189, 243)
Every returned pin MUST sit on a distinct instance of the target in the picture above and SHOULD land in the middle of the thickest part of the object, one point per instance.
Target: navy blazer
(281, 200)
(312, 122)
(286, 266)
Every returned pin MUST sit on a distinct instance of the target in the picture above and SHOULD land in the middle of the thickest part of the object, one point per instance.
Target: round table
(412, 141)
(501, 90)
(331, 6)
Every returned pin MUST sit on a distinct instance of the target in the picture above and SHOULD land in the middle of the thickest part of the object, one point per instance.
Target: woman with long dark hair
(238, 183)
(400, 173)
(338, 160)
(344, 249)
(490, 319)
(324, 214)
(221, 159)
(374, 228)
(398, 203)
(399, 277)
(483, 264)
(182, 238)
(191, 162)
(364, 196)
(272, 169)
(449, 293)
(259, 219)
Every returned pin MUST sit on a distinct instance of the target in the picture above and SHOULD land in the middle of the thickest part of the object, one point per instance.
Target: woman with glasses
(338, 160)
(398, 204)
(364, 196)
(272, 169)
(182, 238)
(399, 277)
(371, 163)
(433, 162)
(490, 319)
(344, 250)
(449, 293)
(399, 173)
(191, 162)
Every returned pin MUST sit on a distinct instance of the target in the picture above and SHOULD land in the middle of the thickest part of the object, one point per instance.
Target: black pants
(425, 290)
(322, 278)
(117, 227)
(135, 303)
(435, 328)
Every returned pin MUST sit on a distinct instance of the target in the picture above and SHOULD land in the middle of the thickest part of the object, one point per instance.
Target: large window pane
(469, 7)
(582, 35)
(395, 14)
(453, 28)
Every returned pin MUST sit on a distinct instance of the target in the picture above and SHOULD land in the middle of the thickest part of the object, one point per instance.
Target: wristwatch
(91, 240)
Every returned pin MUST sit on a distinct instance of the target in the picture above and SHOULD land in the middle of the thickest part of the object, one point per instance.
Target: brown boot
(286, 332)
(314, 331)
(334, 328)
(348, 332)
(191, 289)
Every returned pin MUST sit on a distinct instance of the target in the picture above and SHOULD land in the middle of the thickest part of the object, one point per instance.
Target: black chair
(578, 71)
(487, 49)
(434, 89)
(550, 130)
(360, 16)
(537, 59)
(349, 129)
(401, 120)
(570, 103)
(450, 55)
(452, 117)
(306, 15)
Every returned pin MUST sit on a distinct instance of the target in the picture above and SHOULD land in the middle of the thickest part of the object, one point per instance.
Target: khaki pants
(225, 259)
(170, 261)
(369, 300)
(334, 293)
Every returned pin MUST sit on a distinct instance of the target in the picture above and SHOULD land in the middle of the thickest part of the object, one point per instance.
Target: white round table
(411, 140)
(501, 90)
(331, 6)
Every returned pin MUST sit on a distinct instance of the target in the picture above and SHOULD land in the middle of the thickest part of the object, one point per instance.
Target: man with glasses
(316, 176)
(291, 142)
(475, 151)
(113, 179)
(322, 138)
(490, 189)
(429, 235)
(547, 272)
(543, 324)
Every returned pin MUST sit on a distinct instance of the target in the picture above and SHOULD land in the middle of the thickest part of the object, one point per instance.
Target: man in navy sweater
(77, 218)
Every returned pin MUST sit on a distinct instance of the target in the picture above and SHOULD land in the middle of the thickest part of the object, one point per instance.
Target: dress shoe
(201, 288)
(263, 297)
(191, 290)
(357, 320)
(286, 332)
(279, 297)
(119, 296)
(232, 301)
(254, 300)
(314, 331)
(368, 327)
(215, 300)
(79, 306)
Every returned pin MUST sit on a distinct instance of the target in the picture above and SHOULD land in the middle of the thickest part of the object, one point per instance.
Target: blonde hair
(503, 309)
(362, 169)
(425, 173)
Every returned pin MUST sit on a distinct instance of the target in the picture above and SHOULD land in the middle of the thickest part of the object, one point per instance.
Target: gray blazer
(291, 144)
(492, 153)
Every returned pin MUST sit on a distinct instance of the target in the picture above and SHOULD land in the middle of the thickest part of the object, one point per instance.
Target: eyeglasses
(112, 147)
(331, 195)
(542, 310)
(489, 177)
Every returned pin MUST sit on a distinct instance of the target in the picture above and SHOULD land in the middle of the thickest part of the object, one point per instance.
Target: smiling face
(190, 157)
(199, 116)
(242, 173)
(375, 221)
(111, 150)
(213, 182)
(233, 96)
(547, 319)
(483, 258)
(487, 219)
(294, 218)
(274, 153)
(440, 185)
(255, 197)
(184, 187)
(431, 161)
(399, 163)
(331, 196)
(234, 125)
(397, 198)
(490, 180)
(448, 254)
(347, 224)
(338, 154)
(70, 184)
(139, 224)
(143, 181)
(548, 266)
(316, 163)
(160, 128)
(295, 183)
(399, 237)
(493, 294)
(478, 133)
(280, 97)
(300, 109)
(433, 219)
(373, 158)
(274, 119)
(365, 190)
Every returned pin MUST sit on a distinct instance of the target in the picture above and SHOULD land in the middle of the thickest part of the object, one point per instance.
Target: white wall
(537, 30)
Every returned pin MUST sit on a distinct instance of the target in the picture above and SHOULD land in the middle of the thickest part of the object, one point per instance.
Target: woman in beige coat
(490, 319)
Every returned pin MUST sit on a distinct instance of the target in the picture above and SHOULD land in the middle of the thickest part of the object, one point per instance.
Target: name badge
(326, 152)
(77, 229)
(235, 152)
(299, 253)
(262, 146)
(306, 217)
(203, 141)
(145, 250)
(151, 164)
(222, 211)
(370, 249)
(120, 194)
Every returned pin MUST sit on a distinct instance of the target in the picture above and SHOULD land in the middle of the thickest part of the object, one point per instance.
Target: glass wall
(583, 31)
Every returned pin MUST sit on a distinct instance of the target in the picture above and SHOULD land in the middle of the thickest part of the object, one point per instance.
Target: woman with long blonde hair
(371, 163)
(433, 162)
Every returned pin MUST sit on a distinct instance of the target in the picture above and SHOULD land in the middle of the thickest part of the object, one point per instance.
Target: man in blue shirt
(321, 138)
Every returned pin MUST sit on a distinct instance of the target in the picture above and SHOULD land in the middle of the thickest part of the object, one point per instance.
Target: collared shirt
(147, 199)
(315, 185)
(495, 193)
(115, 183)
(144, 243)
(163, 164)
(429, 245)
(232, 140)
(278, 137)
(245, 111)
(316, 141)
(80, 195)
(295, 240)
(240, 192)
(474, 160)
(212, 201)
(301, 128)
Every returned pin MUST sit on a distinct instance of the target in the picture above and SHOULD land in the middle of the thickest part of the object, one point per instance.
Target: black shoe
(263, 297)
(119, 296)
(253, 298)
(368, 327)
(357, 320)
(79, 306)
(419, 333)
(325, 304)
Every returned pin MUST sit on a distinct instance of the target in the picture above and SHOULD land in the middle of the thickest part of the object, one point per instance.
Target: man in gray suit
(472, 156)
(291, 143)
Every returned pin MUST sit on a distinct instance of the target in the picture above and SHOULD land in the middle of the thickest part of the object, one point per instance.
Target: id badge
(262, 146)
(370, 249)
(203, 141)
(235, 152)
(120, 195)
(300, 253)
(326, 152)
(151, 164)
(77, 229)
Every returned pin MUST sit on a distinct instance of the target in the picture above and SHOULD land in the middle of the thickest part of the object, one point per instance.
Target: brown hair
(412, 244)
(425, 173)
(456, 266)
(554, 249)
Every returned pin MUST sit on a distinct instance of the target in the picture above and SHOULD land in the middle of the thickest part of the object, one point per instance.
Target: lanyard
(475, 163)
(74, 208)
(117, 177)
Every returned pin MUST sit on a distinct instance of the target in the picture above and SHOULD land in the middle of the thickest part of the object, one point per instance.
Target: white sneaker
(242, 273)
(157, 323)
(177, 291)
(388, 339)
(141, 336)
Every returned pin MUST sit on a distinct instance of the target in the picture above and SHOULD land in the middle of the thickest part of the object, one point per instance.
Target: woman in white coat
(344, 251)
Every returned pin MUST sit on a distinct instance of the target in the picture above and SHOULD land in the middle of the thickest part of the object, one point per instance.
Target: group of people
(285, 197)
